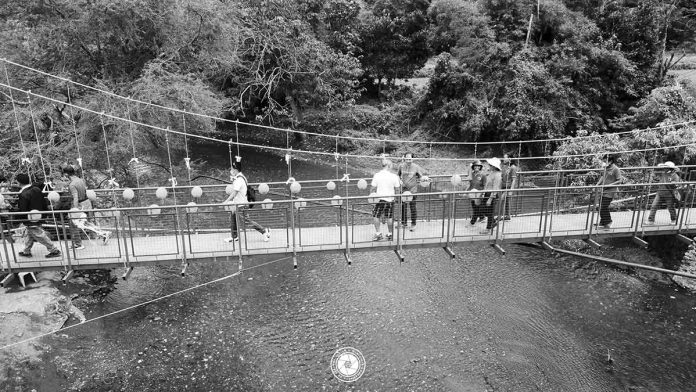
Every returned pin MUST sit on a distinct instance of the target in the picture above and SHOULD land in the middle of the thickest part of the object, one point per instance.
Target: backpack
(250, 193)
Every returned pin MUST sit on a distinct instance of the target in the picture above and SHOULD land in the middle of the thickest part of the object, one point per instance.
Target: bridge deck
(127, 250)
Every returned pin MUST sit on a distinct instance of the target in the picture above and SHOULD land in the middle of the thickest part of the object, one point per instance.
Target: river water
(526, 321)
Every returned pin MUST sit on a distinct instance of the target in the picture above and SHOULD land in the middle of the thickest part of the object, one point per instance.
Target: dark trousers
(414, 213)
(245, 217)
(478, 210)
(489, 211)
(604, 215)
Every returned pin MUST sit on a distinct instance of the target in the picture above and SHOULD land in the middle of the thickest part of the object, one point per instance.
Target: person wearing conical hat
(492, 189)
(668, 174)
(476, 183)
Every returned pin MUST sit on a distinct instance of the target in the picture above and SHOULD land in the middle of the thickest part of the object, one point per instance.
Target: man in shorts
(384, 185)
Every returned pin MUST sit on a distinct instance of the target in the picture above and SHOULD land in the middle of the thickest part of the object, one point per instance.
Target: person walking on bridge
(612, 176)
(492, 189)
(239, 196)
(477, 183)
(509, 181)
(384, 186)
(411, 175)
(669, 173)
(31, 198)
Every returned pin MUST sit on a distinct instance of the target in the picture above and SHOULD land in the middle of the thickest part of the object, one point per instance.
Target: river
(525, 321)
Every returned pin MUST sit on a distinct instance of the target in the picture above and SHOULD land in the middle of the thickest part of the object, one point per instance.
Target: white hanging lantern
(34, 215)
(362, 184)
(92, 195)
(300, 203)
(456, 179)
(263, 188)
(229, 188)
(196, 191)
(161, 193)
(53, 197)
(372, 198)
(267, 204)
(295, 187)
(407, 197)
(128, 194)
(331, 185)
(192, 209)
(153, 209)
(337, 201)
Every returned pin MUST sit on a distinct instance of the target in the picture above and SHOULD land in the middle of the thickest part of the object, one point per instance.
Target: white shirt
(240, 186)
(385, 181)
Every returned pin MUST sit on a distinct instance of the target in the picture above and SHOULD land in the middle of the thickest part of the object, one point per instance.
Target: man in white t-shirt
(384, 186)
(239, 195)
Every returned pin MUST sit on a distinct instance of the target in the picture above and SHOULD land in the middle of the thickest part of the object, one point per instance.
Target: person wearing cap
(384, 186)
(668, 174)
(410, 174)
(612, 176)
(509, 181)
(494, 183)
(239, 195)
(477, 182)
(31, 198)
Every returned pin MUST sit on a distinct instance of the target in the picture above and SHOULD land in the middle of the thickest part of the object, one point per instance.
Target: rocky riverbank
(41, 308)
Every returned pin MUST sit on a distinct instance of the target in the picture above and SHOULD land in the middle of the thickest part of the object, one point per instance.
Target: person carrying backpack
(240, 190)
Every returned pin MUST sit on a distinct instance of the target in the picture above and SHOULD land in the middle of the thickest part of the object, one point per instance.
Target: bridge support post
(294, 261)
(183, 269)
(127, 273)
(499, 249)
(7, 279)
(400, 255)
(67, 276)
(685, 239)
(593, 243)
(450, 252)
(640, 242)
(348, 258)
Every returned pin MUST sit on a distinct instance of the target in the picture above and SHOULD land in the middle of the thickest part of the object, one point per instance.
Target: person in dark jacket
(477, 183)
(31, 198)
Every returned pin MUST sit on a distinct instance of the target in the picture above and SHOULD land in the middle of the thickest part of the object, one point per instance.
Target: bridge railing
(169, 232)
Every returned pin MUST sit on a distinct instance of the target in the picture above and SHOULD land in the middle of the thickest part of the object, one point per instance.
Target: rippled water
(518, 322)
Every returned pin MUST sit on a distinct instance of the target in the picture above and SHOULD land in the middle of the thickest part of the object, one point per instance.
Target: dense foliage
(503, 69)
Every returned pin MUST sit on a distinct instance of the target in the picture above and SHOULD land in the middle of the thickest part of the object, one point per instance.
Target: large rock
(26, 313)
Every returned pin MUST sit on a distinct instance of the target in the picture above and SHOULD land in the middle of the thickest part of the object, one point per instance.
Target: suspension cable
(47, 182)
(316, 133)
(25, 159)
(77, 138)
(324, 153)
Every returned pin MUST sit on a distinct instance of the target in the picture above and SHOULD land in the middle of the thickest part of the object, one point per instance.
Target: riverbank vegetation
(498, 70)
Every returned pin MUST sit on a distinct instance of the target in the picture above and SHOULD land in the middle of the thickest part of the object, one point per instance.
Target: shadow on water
(518, 322)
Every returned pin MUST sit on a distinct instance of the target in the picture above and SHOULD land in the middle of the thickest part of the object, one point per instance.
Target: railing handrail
(359, 197)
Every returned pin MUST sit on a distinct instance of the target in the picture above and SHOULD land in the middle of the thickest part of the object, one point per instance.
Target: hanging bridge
(142, 232)
(187, 224)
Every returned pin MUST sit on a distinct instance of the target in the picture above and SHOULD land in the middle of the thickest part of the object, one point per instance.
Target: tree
(394, 40)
